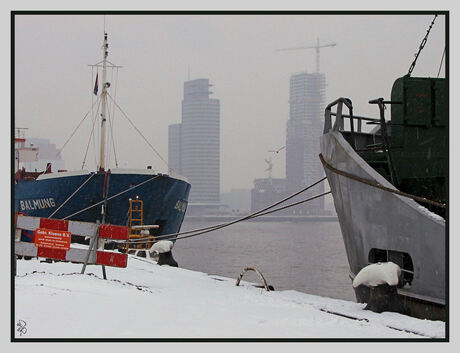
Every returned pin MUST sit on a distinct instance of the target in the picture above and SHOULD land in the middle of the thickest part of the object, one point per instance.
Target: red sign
(55, 239)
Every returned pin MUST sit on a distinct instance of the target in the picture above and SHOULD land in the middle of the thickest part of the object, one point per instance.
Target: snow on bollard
(381, 279)
(164, 250)
(377, 274)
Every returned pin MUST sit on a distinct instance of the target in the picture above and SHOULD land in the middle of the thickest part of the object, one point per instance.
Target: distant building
(47, 153)
(174, 148)
(237, 200)
(266, 192)
(304, 128)
(194, 144)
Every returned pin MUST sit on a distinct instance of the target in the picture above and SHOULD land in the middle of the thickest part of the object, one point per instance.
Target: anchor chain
(422, 45)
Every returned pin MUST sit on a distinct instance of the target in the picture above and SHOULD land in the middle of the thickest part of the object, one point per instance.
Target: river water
(305, 256)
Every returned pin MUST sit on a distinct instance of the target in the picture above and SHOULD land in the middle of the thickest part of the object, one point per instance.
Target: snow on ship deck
(149, 301)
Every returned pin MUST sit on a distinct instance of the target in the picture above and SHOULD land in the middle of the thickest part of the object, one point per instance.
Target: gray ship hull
(374, 221)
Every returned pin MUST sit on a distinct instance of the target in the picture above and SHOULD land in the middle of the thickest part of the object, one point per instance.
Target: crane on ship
(318, 46)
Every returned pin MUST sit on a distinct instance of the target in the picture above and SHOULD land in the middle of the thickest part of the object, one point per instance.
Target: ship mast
(105, 85)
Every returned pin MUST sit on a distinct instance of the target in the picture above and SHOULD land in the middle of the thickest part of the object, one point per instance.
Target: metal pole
(386, 143)
(91, 246)
(104, 210)
(104, 103)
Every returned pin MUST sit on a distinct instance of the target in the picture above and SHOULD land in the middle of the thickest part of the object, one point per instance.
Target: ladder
(136, 215)
(136, 227)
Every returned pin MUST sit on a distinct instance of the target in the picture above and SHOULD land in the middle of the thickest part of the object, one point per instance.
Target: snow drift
(145, 300)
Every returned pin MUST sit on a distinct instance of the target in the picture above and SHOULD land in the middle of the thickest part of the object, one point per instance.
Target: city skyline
(236, 52)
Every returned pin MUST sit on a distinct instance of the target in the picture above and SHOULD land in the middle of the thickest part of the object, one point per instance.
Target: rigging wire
(113, 142)
(108, 144)
(140, 133)
(90, 137)
(113, 196)
(57, 209)
(442, 59)
(111, 111)
(75, 130)
(114, 110)
(110, 135)
(422, 45)
(92, 94)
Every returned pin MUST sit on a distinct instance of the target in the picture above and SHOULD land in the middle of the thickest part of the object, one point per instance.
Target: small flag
(96, 87)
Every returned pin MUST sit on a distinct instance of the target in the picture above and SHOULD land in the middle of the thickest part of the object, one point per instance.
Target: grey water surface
(305, 256)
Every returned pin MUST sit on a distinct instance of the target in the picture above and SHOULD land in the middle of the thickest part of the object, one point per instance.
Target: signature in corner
(21, 327)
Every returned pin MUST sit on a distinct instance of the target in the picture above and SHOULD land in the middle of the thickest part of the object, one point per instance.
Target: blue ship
(80, 196)
(105, 194)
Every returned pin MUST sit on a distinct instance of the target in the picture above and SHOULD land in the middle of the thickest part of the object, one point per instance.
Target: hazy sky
(53, 82)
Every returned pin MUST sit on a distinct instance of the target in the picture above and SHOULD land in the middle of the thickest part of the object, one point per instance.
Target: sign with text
(55, 239)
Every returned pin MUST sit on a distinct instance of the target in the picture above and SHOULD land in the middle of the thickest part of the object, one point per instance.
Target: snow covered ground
(145, 300)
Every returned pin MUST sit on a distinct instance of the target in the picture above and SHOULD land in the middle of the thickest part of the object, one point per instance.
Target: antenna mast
(105, 85)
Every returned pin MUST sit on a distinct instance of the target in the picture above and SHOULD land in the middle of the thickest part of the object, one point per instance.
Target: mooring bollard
(382, 280)
(164, 250)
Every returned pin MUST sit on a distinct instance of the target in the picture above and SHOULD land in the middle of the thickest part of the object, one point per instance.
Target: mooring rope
(292, 204)
(201, 231)
(226, 224)
(379, 186)
(247, 218)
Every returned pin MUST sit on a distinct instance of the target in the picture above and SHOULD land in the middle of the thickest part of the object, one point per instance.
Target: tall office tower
(200, 142)
(174, 148)
(304, 128)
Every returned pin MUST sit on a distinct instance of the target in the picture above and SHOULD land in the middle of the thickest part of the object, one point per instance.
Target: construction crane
(317, 47)
(270, 163)
(278, 150)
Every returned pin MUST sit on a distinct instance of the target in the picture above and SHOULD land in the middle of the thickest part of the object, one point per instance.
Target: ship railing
(339, 124)
(358, 139)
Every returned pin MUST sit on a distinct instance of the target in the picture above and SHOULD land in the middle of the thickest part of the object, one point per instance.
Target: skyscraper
(194, 145)
(174, 148)
(304, 128)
